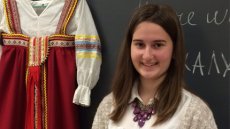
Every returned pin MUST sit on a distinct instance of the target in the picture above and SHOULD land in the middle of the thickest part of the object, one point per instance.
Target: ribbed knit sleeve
(101, 118)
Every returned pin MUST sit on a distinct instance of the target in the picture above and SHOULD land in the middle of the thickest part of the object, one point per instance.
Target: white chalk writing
(217, 18)
(190, 17)
(226, 64)
(198, 64)
(213, 60)
(198, 67)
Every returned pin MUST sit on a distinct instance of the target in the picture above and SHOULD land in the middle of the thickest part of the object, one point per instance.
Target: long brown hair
(169, 92)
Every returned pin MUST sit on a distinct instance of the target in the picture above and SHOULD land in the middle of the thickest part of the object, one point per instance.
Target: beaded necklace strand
(142, 112)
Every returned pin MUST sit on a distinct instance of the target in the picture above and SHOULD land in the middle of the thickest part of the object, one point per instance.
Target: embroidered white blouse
(37, 24)
(192, 113)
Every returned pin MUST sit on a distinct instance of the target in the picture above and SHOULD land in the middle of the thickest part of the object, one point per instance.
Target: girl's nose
(148, 54)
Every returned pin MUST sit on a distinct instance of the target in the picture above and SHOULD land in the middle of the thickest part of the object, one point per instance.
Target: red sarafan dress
(50, 60)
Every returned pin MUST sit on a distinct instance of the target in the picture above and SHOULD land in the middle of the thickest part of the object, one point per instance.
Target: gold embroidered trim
(61, 36)
(45, 98)
(38, 50)
(70, 12)
(23, 40)
(7, 15)
(15, 35)
(61, 43)
(15, 39)
(17, 42)
(12, 16)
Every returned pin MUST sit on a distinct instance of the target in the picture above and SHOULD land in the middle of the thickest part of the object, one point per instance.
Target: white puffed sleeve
(88, 54)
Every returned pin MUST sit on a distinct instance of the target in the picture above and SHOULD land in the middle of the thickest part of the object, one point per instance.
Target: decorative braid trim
(38, 50)
(15, 39)
(70, 13)
(12, 16)
(44, 98)
(23, 40)
(62, 41)
(66, 14)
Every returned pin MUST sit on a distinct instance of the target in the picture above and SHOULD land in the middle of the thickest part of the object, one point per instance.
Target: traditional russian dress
(50, 59)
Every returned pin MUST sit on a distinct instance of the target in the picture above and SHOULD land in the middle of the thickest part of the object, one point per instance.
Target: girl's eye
(157, 45)
(139, 44)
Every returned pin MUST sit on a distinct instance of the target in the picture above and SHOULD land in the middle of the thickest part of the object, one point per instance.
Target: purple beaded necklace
(142, 112)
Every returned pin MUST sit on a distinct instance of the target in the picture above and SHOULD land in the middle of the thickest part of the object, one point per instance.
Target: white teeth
(151, 64)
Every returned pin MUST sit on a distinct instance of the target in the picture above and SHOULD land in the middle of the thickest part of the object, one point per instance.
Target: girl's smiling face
(151, 50)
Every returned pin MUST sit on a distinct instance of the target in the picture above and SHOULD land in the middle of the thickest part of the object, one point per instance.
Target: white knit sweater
(192, 113)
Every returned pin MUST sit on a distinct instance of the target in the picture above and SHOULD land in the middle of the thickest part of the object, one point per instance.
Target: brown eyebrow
(160, 41)
(139, 40)
(136, 40)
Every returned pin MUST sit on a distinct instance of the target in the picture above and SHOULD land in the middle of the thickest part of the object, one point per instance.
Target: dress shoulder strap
(11, 10)
(13, 20)
(66, 15)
